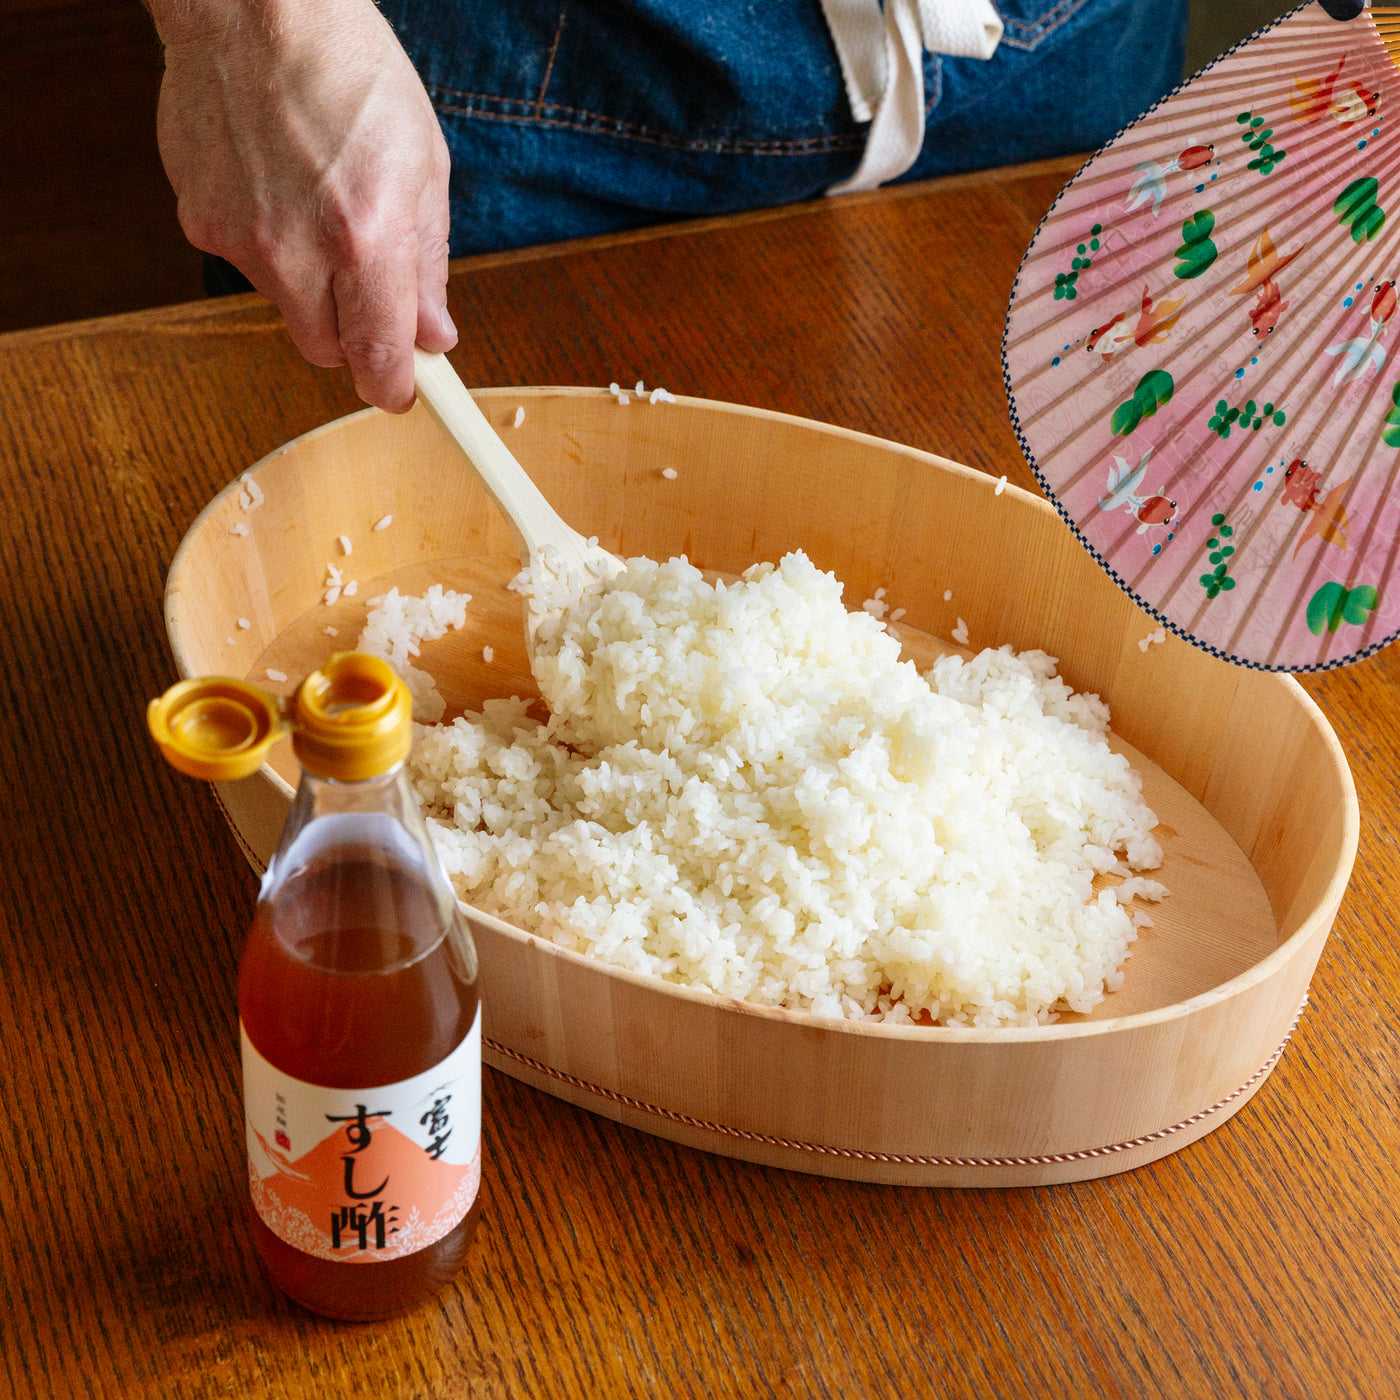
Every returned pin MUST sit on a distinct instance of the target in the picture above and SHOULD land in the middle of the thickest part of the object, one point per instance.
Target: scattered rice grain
(519, 417)
(250, 494)
(383, 522)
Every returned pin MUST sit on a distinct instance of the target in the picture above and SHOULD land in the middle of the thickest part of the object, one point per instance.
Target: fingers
(435, 329)
(377, 313)
(362, 300)
(311, 317)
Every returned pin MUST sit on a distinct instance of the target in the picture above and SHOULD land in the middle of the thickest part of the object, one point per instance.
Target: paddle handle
(532, 519)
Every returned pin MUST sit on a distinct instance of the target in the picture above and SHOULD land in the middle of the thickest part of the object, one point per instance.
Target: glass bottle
(358, 1007)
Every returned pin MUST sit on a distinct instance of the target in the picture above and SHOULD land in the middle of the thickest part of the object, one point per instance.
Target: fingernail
(447, 325)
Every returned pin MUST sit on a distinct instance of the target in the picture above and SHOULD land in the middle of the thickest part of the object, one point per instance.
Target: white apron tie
(882, 62)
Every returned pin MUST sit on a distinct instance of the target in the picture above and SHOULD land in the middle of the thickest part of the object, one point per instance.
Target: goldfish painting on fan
(1365, 354)
(1327, 518)
(1150, 510)
(1354, 105)
(1264, 264)
(1314, 98)
(1154, 321)
(1150, 182)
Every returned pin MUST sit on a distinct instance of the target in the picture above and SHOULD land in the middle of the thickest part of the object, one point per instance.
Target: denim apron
(573, 117)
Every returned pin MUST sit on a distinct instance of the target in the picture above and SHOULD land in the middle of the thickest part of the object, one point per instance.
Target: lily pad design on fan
(1356, 207)
(1197, 252)
(1334, 603)
(1390, 434)
(1256, 136)
(1154, 389)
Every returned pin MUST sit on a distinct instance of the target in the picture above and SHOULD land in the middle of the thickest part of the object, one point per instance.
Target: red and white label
(362, 1175)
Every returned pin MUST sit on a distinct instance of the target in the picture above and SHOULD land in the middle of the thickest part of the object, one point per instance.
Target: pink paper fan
(1202, 351)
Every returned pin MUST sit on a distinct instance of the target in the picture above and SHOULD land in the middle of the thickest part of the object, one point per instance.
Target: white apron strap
(881, 56)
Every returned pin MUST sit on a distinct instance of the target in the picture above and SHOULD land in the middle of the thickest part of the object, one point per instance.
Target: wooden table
(1259, 1262)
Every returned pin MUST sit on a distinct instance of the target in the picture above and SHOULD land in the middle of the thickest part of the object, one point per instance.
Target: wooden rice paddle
(545, 541)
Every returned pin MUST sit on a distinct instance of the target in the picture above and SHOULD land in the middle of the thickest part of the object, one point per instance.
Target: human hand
(302, 148)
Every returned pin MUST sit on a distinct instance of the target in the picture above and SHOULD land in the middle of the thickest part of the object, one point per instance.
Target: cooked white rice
(742, 788)
(395, 627)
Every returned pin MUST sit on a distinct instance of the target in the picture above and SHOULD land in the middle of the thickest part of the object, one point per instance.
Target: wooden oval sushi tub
(1258, 813)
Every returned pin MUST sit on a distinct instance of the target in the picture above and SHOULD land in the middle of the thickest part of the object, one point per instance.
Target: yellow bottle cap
(352, 719)
(216, 727)
(349, 720)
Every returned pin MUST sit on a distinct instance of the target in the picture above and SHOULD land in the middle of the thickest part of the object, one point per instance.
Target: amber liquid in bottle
(357, 974)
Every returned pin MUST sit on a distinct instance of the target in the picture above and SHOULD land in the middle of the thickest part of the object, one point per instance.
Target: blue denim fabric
(572, 117)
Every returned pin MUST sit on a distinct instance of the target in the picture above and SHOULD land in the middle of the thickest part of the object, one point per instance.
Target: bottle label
(363, 1175)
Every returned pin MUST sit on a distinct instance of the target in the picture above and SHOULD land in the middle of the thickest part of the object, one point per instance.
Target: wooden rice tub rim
(1318, 921)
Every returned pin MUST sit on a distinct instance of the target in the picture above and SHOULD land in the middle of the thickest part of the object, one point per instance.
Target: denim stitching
(574, 119)
(553, 49)
(935, 86)
(528, 112)
(1026, 36)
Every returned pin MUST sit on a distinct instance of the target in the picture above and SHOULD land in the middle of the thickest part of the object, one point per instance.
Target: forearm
(195, 21)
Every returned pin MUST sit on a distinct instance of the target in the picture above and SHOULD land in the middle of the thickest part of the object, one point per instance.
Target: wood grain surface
(1261, 1261)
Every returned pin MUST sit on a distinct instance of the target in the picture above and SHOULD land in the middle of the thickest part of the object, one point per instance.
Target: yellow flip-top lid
(349, 720)
(352, 719)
